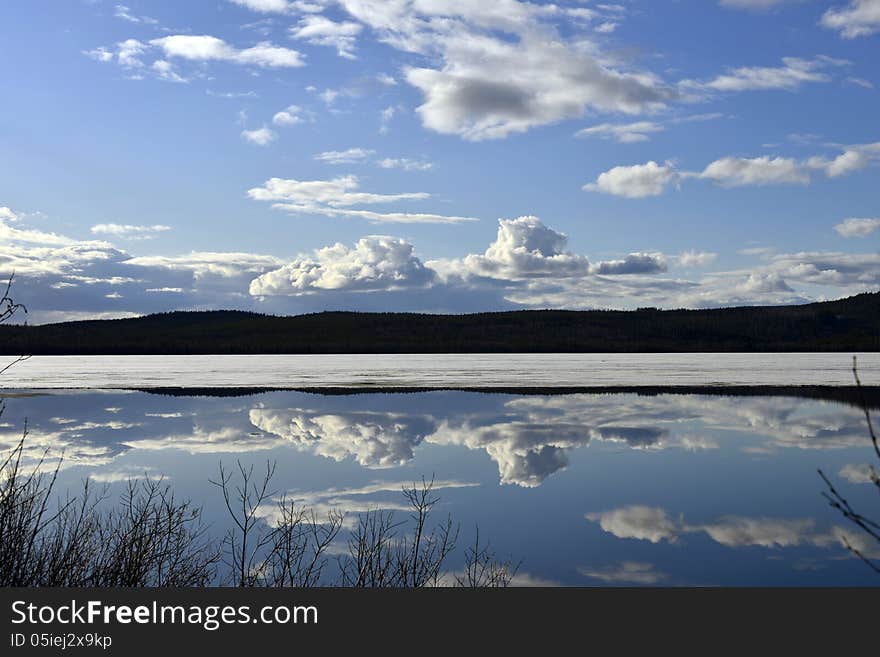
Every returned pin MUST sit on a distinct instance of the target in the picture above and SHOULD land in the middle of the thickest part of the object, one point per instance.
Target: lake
(586, 488)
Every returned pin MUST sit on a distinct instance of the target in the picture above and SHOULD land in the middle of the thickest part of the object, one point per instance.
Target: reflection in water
(637, 480)
(374, 440)
(654, 524)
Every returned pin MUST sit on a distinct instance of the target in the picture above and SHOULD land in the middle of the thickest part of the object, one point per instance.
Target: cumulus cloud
(373, 440)
(526, 453)
(337, 198)
(639, 522)
(488, 90)
(64, 278)
(655, 525)
(261, 136)
(634, 263)
(523, 248)
(652, 179)
(636, 181)
(131, 53)
(857, 227)
(320, 30)
(740, 171)
(375, 263)
(125, 53)
(203, 48)
(504, 68)
(527, 265)
(856, 19)
(288, 116)
(7, 214)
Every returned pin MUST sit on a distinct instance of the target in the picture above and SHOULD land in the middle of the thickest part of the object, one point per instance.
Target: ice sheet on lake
(440, 371)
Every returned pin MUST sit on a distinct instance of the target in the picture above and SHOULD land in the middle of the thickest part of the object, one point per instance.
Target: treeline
(847, 325)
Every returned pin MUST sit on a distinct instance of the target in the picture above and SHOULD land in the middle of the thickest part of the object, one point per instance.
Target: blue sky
(291, 156)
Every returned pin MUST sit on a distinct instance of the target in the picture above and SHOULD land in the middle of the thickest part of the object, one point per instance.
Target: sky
(292, 156)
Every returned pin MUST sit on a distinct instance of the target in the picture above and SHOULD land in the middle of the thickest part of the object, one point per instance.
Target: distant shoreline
(852, 395)
(845, 325)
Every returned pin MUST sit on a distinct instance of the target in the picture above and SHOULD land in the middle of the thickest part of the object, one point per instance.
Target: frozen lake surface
(440, 371)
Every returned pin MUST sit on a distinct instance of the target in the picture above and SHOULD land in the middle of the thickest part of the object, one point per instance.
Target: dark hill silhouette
(847, 325)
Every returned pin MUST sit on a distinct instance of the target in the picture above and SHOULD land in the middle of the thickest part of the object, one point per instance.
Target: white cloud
(210, 48)
(337, 198)
(860, 82)
(405, 163)
(126, 473)
(626, 572)
(101, 54)
(696, 258)
(634, 263)
(7, 214)
(655, 525)
(130, 54)
(126, 53)
(523, 248)
(637, 181)
(639, 522)
(283, 6)
(320, 30)
(348, 156)
(129, 231)
(288, 116)
(858, 18)
(861, 473)
(375, 263)
(489, 89)
(739, 171)
(756, 4)
(204, 264)
(63, 278)
(503, 68)
(857, 227)
(165, 71)
(261, 136)
(385, 117)
(652, 179)
(124, 13)
(266, 6)
(338, 192)
(373, 440)
(623, 133)
(793, 73)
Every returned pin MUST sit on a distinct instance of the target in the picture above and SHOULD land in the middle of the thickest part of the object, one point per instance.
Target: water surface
(585, 489)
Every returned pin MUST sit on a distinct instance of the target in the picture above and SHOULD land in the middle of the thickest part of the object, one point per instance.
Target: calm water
(439, 371)
(586, 489)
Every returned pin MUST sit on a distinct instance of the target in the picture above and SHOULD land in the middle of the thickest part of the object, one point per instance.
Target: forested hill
(849, 325)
